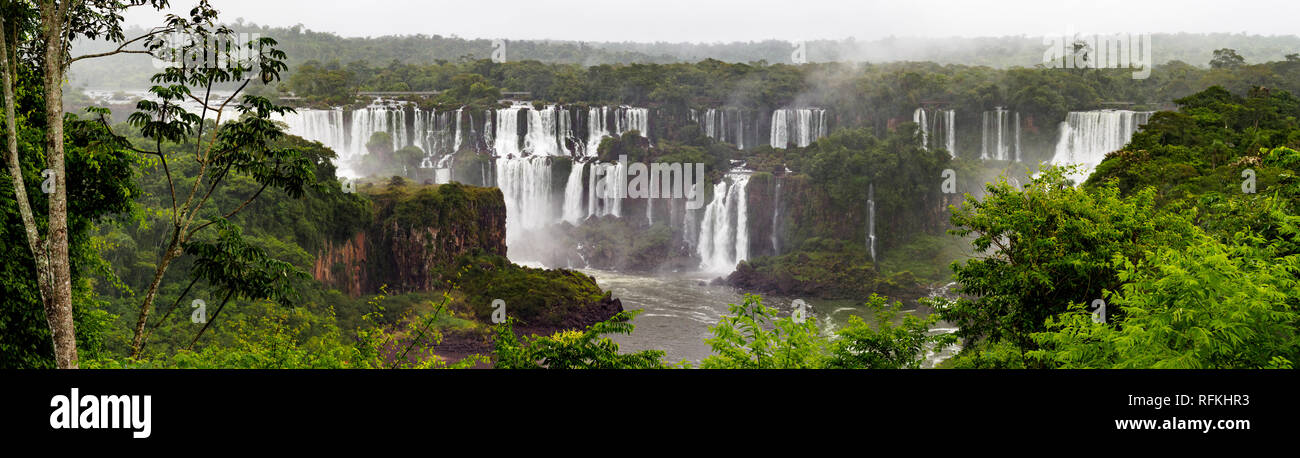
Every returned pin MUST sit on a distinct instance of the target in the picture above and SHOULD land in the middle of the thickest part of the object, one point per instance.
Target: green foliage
(821, 268)
(1209, 305)
(1047, 246)
(586, 349)
(1226, 58)
(534, 296)
(752, 336)
(1201, 274)
(100, 182)
(886, 346)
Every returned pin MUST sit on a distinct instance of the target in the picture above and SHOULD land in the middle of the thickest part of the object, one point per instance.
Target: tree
(247, 145)
(1226, 58)
(1208, 306)
(240, 146)
(58, 24)
(1046, 247)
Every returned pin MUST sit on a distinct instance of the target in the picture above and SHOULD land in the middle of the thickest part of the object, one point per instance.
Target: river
(677, 310)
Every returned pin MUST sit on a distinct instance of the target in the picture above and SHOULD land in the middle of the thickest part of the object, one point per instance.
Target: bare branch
(122, 48)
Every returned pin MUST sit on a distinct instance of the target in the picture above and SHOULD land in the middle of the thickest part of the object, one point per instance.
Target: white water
(724, 125)
(506, 143)
(918, 117)
(724, 231)
(776, 218)
(946, 128)
(1087, 136)
(596, 129)
(624, 119)
(871, 221)
(325, 126)
(602, 191)
(1001, 135)
(523, 165)
(573, 196)
(800, 126)
(526, 184)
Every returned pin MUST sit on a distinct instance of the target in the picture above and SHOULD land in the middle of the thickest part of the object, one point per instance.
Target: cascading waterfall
(526, 185)
(545, 135)
(724, 231)
(325, 126)
(596, 130)
(521, 138)
(489, 135)
(800, 126)
(631, 118)
(507, 133)
(723, 124)
(1087, 136)
(456, 143)
(918, 117)
(573, 196)
(624, 119)
(602, 191)
(945, 128)
(365, 123)
(1001, 135)
(871, 221)
(776, 218)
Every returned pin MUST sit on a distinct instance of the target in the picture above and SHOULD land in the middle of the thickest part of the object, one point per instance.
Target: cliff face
(415, 233)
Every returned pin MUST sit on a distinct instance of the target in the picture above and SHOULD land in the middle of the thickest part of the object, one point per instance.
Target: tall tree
(205, 60)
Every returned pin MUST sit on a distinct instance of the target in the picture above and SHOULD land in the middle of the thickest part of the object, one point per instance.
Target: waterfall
(625, 119)
(399, 134)
(801, 126)
(871, 222)
(456, 145)
(365, 122)
(724, 125)
(780, 129)
(526, 185)
(1001, 129)
(637, 119)
(724, 231)
(325, 126)
(603, 191)
(740, 130)
(945, 128)
(507, 132)
(596, 130)
(544, 136)
(420, 130)
(918, 117)
(776, 217)
(573, 196)
(489, 135)
(710, 124)
(1087, 136)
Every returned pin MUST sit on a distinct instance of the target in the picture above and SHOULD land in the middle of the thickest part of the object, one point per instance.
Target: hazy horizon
(728, 21)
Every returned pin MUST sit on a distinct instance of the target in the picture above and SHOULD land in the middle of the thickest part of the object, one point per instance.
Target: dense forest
(304, 45)
(216, 239)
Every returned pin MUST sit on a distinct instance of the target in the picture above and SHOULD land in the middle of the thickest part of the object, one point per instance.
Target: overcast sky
(746, 20)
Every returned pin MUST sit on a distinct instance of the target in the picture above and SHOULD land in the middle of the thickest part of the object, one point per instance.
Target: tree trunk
(173, 250)
(58, 305)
